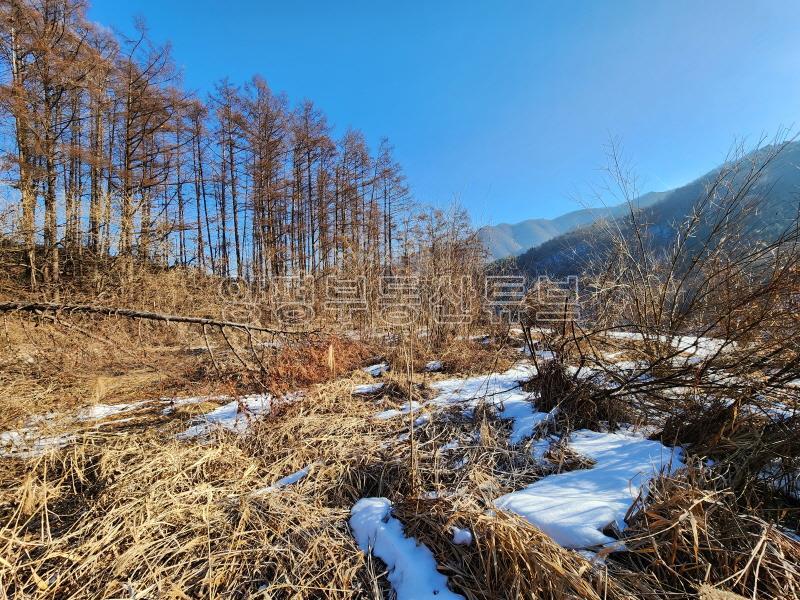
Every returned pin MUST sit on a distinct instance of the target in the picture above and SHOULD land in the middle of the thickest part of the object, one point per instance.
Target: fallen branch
(54, 307)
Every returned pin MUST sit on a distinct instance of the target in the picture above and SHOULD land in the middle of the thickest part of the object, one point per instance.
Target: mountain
(506, 239)
(779, 184)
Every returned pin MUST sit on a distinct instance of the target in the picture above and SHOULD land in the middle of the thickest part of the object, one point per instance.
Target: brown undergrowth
(693, 530)
(144, 515)
(136, 513)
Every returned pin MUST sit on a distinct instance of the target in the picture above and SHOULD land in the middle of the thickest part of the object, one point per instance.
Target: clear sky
(506, 106)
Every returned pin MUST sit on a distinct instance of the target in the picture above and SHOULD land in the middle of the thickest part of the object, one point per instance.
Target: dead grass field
(129, 508)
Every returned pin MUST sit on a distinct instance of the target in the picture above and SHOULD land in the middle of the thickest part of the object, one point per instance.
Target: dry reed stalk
(509, 558)
(691, 531)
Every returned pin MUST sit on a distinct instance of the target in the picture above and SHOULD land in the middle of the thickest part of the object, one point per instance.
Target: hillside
(512, 239)
(779, 183)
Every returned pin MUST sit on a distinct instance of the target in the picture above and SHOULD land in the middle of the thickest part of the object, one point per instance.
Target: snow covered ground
(40, 434)
(377, 370)
(104, 411)
(27, 442)
(234, 416)
(411, 566)
(367, 388)
(503, 391)
(404, 409)
(696, 346)
(575, 507)
(290, 479)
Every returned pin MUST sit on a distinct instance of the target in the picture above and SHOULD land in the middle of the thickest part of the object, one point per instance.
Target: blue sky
(506, 106)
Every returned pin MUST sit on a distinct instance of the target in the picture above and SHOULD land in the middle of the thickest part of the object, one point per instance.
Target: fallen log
(55, 307)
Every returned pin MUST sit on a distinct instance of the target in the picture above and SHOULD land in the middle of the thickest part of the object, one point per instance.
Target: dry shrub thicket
(696, 338)
(292, 334)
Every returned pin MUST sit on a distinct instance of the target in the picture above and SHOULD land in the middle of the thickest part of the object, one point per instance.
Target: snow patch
(377, 370)
(406, 408)
(422, 420)
(462, 537)
(451, 445)
(103, 411)
(234, 416)
(284, 481)
(494, 387)
(411, 566)
(541, 447)
(698, 347)
(520, 409)
(501, 390)
(434, 366)
(574, 507)
(29, 442)
(367, 388)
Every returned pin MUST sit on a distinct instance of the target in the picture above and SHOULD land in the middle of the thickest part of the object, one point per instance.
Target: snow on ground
(434, 366)
(574, 507)
(28, 442)
(471, 390)
(781, 481)
(503, 391)
(541, 446)
(460, 463)
(293, 478)
(367, 388)
(33, 439)
(699, 347)
(103, 411)
(377, 370)
(451, 445)
(234, 416)
(789, 533)
(406, 408)
(462, 537)
(624, 335)
(411, 566)
(284, 481)
(775, 411)
(422, 420)
(520, 409)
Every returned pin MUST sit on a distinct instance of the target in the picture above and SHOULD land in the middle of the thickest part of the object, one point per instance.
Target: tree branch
(54, 307)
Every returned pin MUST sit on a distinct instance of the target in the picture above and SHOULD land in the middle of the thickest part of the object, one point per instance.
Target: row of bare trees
(106, 154)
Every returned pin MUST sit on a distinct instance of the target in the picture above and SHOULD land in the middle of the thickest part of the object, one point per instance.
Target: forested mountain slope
(778, 182)
(511, 239)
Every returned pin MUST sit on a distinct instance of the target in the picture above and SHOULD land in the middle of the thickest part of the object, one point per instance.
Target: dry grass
(145, 516)
(129, 511)
(509, 559)
(693, 530)
(578, 403)
(48, 367)
(60, 365)
(142, 515)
